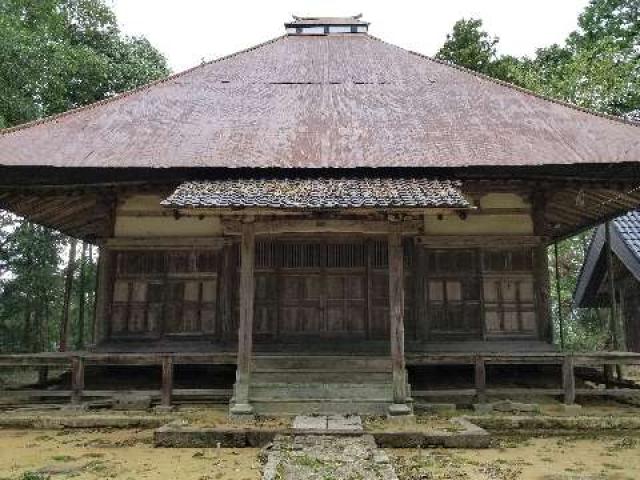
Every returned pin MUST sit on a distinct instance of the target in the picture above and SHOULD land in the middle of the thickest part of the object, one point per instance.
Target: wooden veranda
(166, 395)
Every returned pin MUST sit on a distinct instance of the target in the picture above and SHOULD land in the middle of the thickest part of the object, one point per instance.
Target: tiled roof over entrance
(319, 193)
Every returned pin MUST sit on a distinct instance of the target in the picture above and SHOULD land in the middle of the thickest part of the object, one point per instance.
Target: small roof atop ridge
(326, 21)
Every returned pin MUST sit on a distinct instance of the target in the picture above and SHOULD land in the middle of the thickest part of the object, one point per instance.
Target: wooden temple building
(322, 210)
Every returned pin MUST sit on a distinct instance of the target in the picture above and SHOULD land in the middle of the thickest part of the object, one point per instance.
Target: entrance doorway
(333, 288)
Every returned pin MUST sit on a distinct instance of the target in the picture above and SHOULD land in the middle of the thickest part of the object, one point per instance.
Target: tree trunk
(81, 298)
(26, 333)
(66, 306)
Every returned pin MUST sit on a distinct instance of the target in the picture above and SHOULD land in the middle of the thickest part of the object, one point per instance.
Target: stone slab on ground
(310, 423)
(131, 402)
(506, 406)
(327, 424)
(318, 457)
(435, 408)
(341, 423)
(556, 425)
(88, 421)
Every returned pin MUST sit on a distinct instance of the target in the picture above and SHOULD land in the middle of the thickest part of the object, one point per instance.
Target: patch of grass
(97, 467)
(623, 443)
(63, 458)
(34, 476)
(308, 461)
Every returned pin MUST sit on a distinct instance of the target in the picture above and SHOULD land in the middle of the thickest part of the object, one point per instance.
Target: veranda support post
(167, 381)
(396, 318)
(245, 331)
(77, 380)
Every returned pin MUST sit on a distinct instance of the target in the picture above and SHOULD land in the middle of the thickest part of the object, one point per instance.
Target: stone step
(328, 391)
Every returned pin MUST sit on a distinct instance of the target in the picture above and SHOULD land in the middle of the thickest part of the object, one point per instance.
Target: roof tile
(319, 193)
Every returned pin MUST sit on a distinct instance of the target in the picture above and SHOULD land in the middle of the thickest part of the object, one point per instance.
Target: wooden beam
(396, 327)
(372, 227)
(163, 243)
(459, 241)
(245, 332)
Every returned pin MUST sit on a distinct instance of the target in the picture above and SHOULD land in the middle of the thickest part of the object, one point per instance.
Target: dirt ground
(129, 454)
(535, 459)
(119, 455)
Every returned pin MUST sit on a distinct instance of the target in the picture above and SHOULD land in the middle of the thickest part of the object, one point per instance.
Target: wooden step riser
(357, 364)
(320, 377)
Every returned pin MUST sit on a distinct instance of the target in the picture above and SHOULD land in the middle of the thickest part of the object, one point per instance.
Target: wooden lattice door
(307, 287)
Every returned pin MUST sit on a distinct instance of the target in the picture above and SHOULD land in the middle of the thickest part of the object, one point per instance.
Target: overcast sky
(188, 31)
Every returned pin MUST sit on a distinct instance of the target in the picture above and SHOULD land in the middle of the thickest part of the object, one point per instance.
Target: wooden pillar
(167, 381)
(245, 331)
(480, 380)
(77, 379)
(543, 306)
(396, 325)
(541, 268)
(102, 295)
(568, 380)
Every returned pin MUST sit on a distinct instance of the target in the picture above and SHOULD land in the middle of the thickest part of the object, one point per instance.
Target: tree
(30, 294)
(66, 303)
(469, 46)
(54, 55)
(60, 54)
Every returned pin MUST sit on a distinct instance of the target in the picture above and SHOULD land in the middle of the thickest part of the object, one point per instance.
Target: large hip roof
(342, 101)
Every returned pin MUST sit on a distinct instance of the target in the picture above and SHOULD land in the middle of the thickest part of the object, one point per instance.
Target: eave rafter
(81, 214)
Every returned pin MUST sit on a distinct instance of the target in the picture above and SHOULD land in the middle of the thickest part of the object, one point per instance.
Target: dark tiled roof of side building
(319, 193)
(625, 244)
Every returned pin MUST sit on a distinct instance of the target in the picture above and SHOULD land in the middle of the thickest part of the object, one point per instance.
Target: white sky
(189, 31)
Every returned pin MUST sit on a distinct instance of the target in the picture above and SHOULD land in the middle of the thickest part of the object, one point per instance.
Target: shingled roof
(625, 244)
(319, 193)
(341, 100)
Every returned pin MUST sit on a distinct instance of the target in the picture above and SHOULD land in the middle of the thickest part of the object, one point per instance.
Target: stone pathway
(319, 453)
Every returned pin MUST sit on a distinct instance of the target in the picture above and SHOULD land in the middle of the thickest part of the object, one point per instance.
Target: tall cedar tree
(54, 55)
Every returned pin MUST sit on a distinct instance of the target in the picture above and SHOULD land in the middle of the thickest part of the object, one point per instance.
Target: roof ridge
(133, 91)
(513, 86)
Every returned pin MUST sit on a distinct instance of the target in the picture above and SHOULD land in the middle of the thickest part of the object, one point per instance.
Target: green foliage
(469, 46)
(598, 67)
(34, 476)
(60, 54)
(582, 329)
(55, 55)
(28, 294)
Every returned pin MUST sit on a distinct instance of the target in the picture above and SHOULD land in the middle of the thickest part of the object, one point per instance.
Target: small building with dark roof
(592, 289)
(321, 210)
